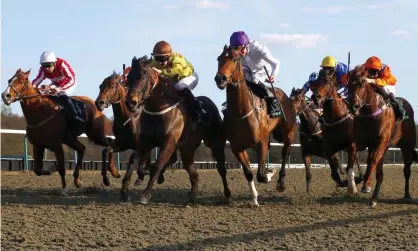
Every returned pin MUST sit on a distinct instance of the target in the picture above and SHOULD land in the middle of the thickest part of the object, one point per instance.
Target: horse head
(142, 80)
(359, 89)
(112, 91)
(18, 87)
(297, 96)
(323, 87)
(229, 68)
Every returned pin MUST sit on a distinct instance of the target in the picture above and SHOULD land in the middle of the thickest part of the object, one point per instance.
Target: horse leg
(408, 157)
(262, 151)
(171, 161)
(335, 165)
(166, 151)
(187, 156)
(244, 160)
(379, 180)
(99, 138)
(282, 174)
(74, 143)
(59, 154)
(38, 155)
(375, 156)
(144, 162)
(360, 171)
(352, 153)
(133, 162)
(218, 154)
(306, 156)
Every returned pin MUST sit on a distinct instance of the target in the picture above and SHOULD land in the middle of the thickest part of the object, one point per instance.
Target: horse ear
(293, 89)
(226, 47)
(28, 73)
(134, 60)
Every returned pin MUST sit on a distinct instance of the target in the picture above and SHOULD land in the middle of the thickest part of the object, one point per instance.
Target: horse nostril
(8, 95)
(223, 78)
(101, 102)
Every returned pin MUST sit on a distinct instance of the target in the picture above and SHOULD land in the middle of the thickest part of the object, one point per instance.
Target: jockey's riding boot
(70, 109)
(193, 105)
(398, 107)
(396, 104)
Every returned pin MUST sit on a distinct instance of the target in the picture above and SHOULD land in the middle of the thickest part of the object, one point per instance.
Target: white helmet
(48, 57)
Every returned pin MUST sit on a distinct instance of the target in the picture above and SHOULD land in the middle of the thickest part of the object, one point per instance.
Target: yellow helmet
(329, 61)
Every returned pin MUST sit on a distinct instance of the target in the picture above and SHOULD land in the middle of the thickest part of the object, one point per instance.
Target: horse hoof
(64, 192)
(372, 203)
(124, 197)
(106, 181)
(115, 173)
(160, 179)
(138, 182)
(352, 190)
(366, 189)
(38, 173)
(280, 188)
(78, 183)
(143, 200)
(261, 179)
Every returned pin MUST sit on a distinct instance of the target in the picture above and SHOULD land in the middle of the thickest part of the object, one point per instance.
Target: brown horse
(247, 122)
(337, 123)
(47, 126)
(376, 128)
(113, 92)
(165, 123)
(311, 138)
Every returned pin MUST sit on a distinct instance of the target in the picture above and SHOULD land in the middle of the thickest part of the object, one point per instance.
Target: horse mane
(357, 72)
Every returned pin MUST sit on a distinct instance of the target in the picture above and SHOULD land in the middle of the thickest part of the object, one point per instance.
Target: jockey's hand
(157, 70)
(270, 79)
(55, 89)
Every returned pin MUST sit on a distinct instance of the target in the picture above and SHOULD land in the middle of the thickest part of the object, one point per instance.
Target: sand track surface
(35, 216)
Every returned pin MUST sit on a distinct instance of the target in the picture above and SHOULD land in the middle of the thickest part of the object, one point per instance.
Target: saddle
(71, 113)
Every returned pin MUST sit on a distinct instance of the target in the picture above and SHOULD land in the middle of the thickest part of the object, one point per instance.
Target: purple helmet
(238, 38)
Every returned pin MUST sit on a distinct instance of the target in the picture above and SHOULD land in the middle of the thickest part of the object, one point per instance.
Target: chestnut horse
(376, 128)
(47, 127)
(311, 138)
(165, 123)
(113, 92)
(247, 122)
(337, 122)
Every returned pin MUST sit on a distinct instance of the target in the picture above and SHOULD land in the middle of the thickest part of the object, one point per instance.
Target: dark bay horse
(248, 124)
(337, 124)
(113, 92)
(310, 135)
(376, 128)
(165, 123)
(47, 127)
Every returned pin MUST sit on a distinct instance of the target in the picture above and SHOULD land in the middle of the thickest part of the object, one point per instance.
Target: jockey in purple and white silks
(255, 56)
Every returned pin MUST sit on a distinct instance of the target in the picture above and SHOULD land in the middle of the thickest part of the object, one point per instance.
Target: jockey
(385, 83)
(256, 55)
(313, 77)
(330, 66)
(63, 80)
(176, 68)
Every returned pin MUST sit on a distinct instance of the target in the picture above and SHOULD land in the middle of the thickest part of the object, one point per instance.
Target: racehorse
(311, 138)
(376, 128)
(113, 92)
(247, 122)
(48, 128)
(337, 123)
(165, 123)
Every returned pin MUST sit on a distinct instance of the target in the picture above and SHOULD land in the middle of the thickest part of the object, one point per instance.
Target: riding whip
(275, 94)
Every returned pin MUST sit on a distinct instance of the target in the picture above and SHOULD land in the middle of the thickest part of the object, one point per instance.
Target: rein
(142, 92)
(239, 68)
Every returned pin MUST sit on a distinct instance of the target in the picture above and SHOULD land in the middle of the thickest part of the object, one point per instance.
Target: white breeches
(189, 82)
(390, 89)
(68, 91)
